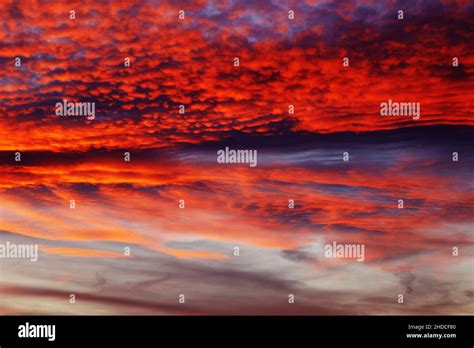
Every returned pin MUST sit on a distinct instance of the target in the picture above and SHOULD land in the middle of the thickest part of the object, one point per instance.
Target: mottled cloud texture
(173, 156)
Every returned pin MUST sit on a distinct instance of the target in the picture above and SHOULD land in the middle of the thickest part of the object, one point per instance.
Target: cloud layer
(191, 251)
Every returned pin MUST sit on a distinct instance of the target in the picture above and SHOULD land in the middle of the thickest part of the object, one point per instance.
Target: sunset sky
(283, 62)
